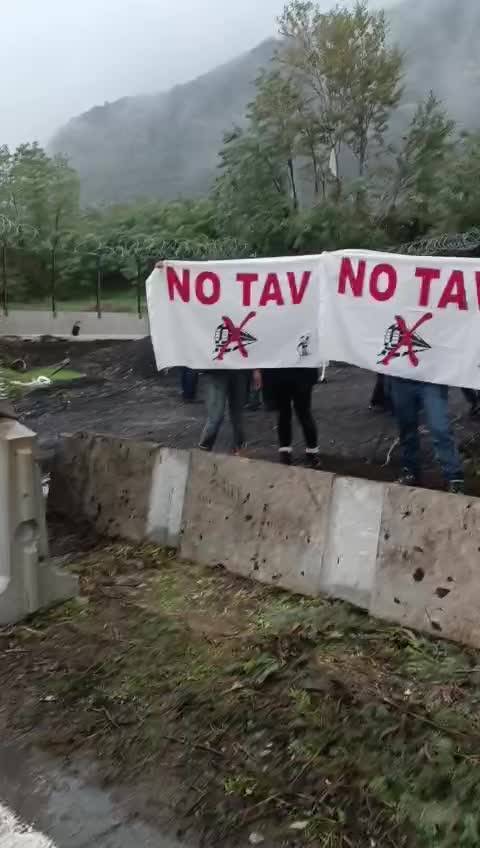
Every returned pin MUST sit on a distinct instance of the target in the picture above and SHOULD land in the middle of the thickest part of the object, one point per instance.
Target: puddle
(69, 810)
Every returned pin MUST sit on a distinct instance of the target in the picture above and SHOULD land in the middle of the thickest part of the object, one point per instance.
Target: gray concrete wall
(35, 323)
(257, 519)
(125, 488)
(28, 581)
(405, 555)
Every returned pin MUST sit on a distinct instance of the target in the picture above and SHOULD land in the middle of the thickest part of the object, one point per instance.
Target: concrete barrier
(257, 519)
(350, 559)
(126, 488)
(105, 480)
(405, 555)
(167, 494)
(28, 581)
(35, 323)
(428, 567)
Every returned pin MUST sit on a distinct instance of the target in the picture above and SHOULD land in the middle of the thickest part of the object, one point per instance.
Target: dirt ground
(225, 709)
(244, 715)
(123, 394)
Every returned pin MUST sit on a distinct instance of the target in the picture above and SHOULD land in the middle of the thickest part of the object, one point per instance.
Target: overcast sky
(60, 57)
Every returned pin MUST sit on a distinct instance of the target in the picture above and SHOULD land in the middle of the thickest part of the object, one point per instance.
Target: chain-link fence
(77, 268)
(80, 269)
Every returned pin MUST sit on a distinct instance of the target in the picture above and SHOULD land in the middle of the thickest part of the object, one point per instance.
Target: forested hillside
(167, 145)
(164, 145)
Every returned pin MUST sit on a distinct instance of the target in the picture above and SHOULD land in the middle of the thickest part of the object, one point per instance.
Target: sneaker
(456, 487)
(408, 478)
(312, 460)
(285, 457)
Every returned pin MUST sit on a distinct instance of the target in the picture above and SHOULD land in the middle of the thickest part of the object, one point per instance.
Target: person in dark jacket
(292, 388)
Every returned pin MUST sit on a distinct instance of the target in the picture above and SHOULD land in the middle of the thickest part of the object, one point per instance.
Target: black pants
(301, 398)
(471, 396)
(382, 394)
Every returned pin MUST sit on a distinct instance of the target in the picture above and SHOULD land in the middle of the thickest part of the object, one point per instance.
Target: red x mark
(407, 339)
(234, 336)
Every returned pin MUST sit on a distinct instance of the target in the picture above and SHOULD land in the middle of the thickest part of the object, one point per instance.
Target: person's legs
(406, 407)
(254, 396)
(302, 402)
(377, 400)
(471, 396)
(283, 404)
(237, 395)
(435, 405)
(189, 384)
(387, 395)
(217, 386)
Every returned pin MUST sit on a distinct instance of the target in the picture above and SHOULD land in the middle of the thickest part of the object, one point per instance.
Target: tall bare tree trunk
(293, 184)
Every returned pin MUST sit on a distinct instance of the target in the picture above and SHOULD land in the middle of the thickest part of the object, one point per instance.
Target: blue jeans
(410, 397)
(225, 386)
(189, 381)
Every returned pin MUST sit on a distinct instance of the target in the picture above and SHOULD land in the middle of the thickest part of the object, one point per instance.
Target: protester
(254, 392)
(189, 384)
(223, 386)
(409, 398)
(382, 397)
(289, 387)
(471, 396)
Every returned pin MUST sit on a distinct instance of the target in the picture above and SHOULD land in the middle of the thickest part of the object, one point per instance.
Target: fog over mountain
(166, 145)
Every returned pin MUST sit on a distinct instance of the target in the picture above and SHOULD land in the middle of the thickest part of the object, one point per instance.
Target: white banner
(403, 316)
(260, 313)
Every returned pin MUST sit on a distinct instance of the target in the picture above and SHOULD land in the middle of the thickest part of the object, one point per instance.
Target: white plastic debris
(299, 825)
(38, 381)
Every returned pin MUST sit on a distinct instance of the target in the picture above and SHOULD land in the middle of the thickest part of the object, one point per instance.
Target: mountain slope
(166, 145)
(440, 40)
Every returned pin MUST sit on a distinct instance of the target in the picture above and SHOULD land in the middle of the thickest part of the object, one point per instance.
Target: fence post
(53, 281)
(98, 286)
(139, 286)
(4, 280)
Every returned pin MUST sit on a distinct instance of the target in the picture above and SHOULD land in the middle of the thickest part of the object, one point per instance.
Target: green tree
(457, 188)
(44, 192)
(346, 69)
(252, 193)
(41, 197)
(426, 155)
(274, 116)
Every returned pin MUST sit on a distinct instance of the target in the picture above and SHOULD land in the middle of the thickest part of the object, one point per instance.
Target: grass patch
(304, 720)
(18, 382)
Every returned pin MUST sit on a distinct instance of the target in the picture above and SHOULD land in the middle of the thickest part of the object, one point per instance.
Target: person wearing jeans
(293, 387)
(223, 387)
(410, 398)
(189, 383)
